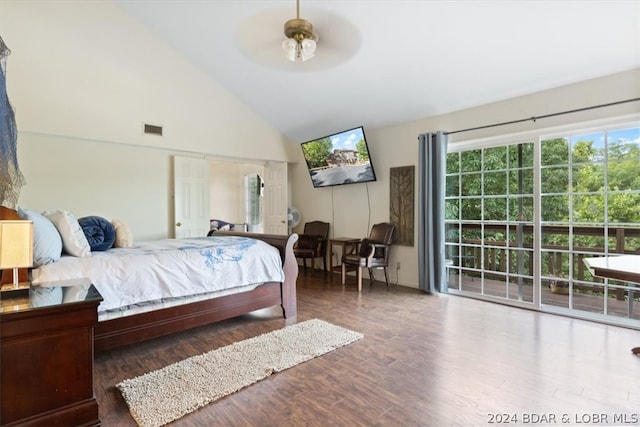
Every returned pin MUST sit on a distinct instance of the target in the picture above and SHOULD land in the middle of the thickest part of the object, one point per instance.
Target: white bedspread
(152, 271)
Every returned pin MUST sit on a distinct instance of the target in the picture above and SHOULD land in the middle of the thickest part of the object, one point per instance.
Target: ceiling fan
(301, 40)
(260, 38)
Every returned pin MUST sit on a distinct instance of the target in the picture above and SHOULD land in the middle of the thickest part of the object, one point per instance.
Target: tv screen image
(338, 159)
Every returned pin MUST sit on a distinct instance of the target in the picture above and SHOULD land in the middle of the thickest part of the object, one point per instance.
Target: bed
(179, 311)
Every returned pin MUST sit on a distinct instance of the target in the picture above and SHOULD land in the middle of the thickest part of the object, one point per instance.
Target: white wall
(83, 77)
(346, 207)
(227, 192)
(94, 178)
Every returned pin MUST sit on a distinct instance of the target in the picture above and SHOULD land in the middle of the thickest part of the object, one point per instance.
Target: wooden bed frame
(126, 330)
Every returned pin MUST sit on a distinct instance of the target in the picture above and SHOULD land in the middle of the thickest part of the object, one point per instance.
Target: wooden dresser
(46, 356)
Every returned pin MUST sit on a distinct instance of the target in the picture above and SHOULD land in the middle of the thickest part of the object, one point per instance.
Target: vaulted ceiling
(380, 63)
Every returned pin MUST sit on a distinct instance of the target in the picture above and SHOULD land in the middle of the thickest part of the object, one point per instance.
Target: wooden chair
(370, 253)
(312, 243)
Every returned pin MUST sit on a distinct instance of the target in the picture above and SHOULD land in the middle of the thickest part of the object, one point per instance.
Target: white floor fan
(293, 218)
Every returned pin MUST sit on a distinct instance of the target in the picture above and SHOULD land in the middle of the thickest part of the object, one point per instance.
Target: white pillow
(47, 243)
(124, 237)
(74, 242)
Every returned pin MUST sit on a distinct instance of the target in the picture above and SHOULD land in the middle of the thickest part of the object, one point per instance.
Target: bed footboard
(289, 265)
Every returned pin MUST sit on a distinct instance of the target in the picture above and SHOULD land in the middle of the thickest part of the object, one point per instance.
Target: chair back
(384, 233)
(371, 253)
(317, 228)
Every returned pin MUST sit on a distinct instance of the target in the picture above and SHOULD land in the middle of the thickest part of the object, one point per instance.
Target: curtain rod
(546, 116)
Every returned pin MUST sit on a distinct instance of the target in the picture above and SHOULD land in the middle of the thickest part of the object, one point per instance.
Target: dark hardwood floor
(424, 361)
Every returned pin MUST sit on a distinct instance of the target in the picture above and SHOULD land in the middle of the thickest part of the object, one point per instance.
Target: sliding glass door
(521, 217)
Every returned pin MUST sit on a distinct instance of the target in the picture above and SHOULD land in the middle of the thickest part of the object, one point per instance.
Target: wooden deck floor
(425, 360)
(580, 300)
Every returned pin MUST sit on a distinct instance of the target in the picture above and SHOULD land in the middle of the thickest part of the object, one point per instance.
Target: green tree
(621, 161)
(363, 154)
(582, 181)
(317, 152)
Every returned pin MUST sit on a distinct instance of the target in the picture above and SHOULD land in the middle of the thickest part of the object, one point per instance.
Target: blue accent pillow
(47, 243)
(100, 233)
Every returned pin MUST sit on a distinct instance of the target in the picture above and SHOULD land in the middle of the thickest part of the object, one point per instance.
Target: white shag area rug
(162, 396)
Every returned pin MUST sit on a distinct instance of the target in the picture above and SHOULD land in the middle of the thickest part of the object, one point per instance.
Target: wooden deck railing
(491, 255)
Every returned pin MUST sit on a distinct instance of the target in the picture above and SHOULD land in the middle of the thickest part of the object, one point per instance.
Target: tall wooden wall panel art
(401, 203)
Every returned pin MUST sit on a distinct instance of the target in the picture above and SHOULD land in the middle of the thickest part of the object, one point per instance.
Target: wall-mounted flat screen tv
(338, 159)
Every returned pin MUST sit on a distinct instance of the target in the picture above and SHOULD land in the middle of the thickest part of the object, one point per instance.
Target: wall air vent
(152, 129)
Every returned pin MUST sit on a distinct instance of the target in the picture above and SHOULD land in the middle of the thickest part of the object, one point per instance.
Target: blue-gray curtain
(11, 179)
(432, 161)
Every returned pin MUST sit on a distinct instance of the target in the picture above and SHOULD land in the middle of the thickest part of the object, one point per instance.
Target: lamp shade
(308, 48)
(290, 48)
(16, 244)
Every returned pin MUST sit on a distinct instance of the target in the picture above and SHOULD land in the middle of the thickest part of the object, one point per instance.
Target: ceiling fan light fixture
(289, 46)
(307, 49)
(300, 42)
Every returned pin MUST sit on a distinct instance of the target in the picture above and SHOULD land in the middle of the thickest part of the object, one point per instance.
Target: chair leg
(304, 262)
(386, 277)
(359, 273)
(344, 273)
(371, 279)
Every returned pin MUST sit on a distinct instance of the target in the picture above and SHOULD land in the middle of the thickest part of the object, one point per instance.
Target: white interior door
(191, 196)
(275, 198)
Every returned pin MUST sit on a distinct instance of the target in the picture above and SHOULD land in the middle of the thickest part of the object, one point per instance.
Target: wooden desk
(344, 243)
(623, 267)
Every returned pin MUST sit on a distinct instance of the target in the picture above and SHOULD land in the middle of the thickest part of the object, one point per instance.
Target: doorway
(249, 193)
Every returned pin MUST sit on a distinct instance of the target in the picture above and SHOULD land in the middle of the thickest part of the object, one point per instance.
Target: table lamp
(16, 246)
